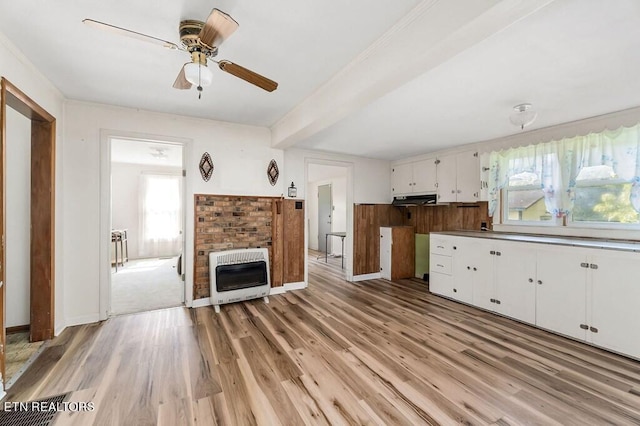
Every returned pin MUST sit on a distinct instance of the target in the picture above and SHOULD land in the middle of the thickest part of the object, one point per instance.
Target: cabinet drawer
(440, 264)
(441, 246)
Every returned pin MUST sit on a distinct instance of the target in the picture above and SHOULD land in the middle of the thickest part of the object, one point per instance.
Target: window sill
(571, 231)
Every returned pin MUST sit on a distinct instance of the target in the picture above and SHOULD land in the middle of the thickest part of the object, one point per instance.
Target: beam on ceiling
(431, 34)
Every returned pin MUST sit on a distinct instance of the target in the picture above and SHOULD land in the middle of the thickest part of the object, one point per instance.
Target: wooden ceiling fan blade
(248, 75)
(181, 81)
(129, 33)
(218, 28)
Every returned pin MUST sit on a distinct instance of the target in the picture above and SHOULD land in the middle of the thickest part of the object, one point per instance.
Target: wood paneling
(450, 217)
(368, 218)
(403, 252)
(294, 251)
(373, 352)
(42, 229)
(277, 247)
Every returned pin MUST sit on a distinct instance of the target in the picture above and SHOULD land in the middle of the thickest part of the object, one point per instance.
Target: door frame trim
(105, 212)
(43, 142)
(348, 245)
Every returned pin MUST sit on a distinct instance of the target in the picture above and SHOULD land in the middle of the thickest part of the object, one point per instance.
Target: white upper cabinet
(418, 177)
(485, 168)
(458, 177)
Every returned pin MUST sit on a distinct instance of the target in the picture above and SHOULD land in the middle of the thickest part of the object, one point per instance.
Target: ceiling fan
(201, 40)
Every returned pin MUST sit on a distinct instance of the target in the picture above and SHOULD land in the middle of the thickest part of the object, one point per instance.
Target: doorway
(327, 216)
(147, 226)
(324, 217)
(40, 170)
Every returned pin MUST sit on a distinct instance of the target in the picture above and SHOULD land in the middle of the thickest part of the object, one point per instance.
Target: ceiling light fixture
(523, 115)
(159, 153)
(197, 72)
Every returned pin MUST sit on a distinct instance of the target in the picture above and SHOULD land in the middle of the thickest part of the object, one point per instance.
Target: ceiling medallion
(273, 172)
(206, 167)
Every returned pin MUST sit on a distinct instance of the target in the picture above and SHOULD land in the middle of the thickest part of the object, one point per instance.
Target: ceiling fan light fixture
(198, 74)
(523, 115)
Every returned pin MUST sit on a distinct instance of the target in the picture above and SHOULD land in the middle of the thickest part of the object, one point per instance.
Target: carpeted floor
(145, 285)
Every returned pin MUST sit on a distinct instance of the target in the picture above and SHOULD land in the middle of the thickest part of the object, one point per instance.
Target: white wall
(19, 71)
(240, 156)
(17, 238)
(371, 177)
(125, 199)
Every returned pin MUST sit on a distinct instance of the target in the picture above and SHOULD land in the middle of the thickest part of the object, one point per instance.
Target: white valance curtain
(558, 163)
(160, 215)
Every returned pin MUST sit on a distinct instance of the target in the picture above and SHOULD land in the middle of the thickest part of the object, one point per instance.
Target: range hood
(415, 200)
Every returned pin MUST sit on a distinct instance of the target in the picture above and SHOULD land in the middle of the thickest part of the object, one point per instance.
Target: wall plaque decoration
(206, 167)
(273, 172)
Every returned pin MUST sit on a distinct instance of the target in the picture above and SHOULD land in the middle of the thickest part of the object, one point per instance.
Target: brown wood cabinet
(397, 252)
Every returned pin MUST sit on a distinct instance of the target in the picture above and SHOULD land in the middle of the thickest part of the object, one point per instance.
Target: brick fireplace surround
(229, 222)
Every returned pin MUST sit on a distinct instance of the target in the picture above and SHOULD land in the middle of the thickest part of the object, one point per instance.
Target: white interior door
(324, 217)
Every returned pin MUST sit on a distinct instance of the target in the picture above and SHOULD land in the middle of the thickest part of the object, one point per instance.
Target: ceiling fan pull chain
(199, 92)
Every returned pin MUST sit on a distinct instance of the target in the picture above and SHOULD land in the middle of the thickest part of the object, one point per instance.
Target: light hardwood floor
(372, 352)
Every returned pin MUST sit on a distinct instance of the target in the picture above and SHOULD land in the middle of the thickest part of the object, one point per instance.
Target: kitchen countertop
(549, 239)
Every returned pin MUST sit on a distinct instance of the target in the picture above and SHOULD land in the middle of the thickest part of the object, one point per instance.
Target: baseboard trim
(199, 303)
(18, 328)
(277, 290)
(59, 330)
(83, 319)
(363, 277)
(295, 286)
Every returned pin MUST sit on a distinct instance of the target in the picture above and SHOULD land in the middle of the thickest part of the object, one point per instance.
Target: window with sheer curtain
(160, 215)
(590, 180)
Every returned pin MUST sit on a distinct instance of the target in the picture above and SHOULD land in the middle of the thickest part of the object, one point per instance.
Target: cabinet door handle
(492, 300)
(492, 252)
(455, 248)
(475, 269)
(593, 329)
(453, 191)
(455, 290)
(593, 266)
(584, 265)
(498, 302)
(439, 265)
(584, 326)
(539, 282)
(530, 280)
(440, 247)
(498, 253)
(459, 191)
(469, 267)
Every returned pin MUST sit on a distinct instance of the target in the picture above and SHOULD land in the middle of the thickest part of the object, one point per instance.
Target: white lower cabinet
(514, 281)
(615, 301)
(561, 292)
(585, 293)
